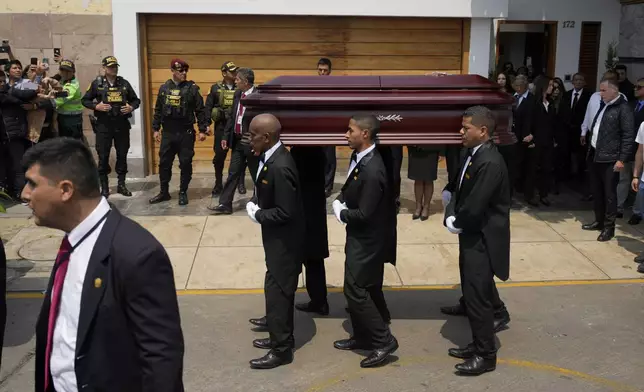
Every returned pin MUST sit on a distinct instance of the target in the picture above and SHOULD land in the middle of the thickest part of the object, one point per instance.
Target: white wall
(607, 12)
(126, 44)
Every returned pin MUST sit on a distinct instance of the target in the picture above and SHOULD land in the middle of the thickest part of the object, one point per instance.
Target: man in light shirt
(637, 184)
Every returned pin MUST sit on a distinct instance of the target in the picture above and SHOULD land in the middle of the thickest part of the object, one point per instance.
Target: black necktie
(262, 158)
(601, 107)
(470, 152)
(354, 157)
(575, 100)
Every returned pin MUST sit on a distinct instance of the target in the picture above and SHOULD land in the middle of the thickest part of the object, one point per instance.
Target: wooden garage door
(292, 45)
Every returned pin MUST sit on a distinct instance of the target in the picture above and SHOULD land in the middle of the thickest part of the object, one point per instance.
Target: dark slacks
(315, 275)
(509, 154)
(12, 153)
(367, 320)
(397, 155)
(603, 181)
(108, 133)
(280, 313)
(179, 142)
(538, 171)
(3, 299)
(241, 156)
(329, 167)
(70, 125)
(219, 159)
(479, 291)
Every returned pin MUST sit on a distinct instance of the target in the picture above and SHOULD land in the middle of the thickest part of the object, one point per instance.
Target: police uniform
(70, 108)
(111, 125)
(175, 110)
(219, 105)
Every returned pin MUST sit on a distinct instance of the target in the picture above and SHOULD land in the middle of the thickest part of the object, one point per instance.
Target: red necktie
(240, 112)
(62, 262)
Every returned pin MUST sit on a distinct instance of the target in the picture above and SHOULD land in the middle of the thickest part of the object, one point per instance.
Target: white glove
(447, 197)
(251, 209)
(450, 225)
(337, 208)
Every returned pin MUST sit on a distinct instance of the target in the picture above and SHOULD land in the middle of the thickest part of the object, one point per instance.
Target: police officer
(69, 107)
(219, 104)
(113, 99)
(178, 102)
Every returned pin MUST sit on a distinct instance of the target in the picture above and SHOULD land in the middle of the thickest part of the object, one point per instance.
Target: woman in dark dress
(423, 169)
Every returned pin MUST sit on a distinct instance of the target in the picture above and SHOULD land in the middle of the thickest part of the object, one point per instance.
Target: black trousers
(70, 125)
(175, 142)
(397, 155)
(366, 312)
(3, 292)
(329, 167)
(11, 167)
(479, 292)
(315, 275)
(219, 159)
(241, 156)
(603, 181)
(537, 163)
(280, 313)
(108, 133)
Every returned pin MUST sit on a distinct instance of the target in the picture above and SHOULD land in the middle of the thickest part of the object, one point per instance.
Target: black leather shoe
(350, 344)
(259, 322)
(456, 310)
(464, 353)
(216, 191)
(593, 226)
(640, 268)
(532, 202)
(272, 360)
(545, 201)
(105, 187)
(606, 235)
(183, 198)
(161, 197)
(221, 210)
(620, 214)
(122, 189)
(264, 344)
(241, 188)
(639, 258)
(477, 365)
(635, 219)
(313, 308)
(501, 321)
(380, 355)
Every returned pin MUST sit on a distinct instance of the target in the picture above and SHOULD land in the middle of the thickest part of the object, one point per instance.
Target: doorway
(527, 44)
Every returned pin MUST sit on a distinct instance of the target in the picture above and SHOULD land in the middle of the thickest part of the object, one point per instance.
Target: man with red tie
(237, 138)
(110, 318)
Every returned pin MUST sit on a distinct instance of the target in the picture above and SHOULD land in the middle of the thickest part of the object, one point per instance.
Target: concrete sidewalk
(585, 338)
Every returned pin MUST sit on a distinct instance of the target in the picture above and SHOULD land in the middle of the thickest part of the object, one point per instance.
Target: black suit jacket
(481, 207)
(368, 217)
(129, 330)
(522, 117)
(229, 130)
(573, 118)
(310, 162)
(544, 125)
(278, 195)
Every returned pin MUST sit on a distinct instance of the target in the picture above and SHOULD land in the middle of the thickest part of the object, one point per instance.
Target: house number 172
(568, 24)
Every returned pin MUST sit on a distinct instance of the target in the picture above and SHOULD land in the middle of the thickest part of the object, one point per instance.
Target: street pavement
(570, 338)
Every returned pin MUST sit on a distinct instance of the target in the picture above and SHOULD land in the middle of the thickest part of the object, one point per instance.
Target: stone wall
(82, 38)
(631, 40)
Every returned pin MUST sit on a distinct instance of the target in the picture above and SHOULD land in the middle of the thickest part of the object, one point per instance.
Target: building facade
(288, 37)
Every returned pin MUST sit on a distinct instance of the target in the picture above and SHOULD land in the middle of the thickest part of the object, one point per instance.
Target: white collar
(614, 100)
(86, 225)
(360, 155)
(577, 92)
(272, 150)
(249, 91)
(524, 95)
(475, 149)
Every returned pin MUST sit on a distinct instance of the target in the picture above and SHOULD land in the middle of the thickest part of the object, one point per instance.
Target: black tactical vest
(175, 100)
(113, 95)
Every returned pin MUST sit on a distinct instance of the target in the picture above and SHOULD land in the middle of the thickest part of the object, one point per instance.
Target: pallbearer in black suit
(364, 205)
(479, 213)
(277, 207)
(310, 162)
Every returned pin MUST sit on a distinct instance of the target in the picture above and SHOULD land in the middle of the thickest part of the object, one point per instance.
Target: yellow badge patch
(98, 283)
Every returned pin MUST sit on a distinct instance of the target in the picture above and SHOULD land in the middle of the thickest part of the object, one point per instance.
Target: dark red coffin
(315, 110)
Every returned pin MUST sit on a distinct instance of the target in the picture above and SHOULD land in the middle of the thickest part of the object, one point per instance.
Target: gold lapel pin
(355, 177)
(264, 182)
(470, 164)
(356, 171)
(98, 283)
(265, 168)
(467, 176)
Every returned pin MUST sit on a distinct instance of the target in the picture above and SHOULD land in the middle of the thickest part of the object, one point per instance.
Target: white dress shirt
(241, 109)
(591, 110)
(267, 155)
(63, 352)
(595, 134)
(467, 162)
(359, 156)
(575, 93)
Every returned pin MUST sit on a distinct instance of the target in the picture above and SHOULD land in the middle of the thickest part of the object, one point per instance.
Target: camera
(61, 94)
(5, 48)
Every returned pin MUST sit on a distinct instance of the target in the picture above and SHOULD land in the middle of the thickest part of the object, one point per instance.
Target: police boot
(183, 198)
(122, 189)
(163, 195)
(105, 187)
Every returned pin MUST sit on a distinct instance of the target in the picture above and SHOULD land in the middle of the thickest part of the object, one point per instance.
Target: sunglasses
(181, 70)
(638, 87)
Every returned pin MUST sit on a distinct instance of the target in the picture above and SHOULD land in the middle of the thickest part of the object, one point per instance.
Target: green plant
(611, 56)
(5, 197)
